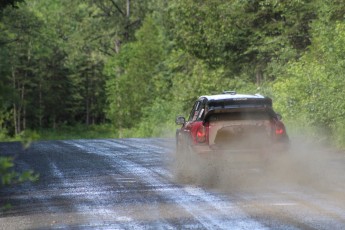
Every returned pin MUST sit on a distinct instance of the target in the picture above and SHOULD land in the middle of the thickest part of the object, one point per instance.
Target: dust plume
(306, 164)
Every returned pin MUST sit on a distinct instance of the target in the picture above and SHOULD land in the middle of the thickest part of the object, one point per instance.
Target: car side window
(198, 111)
(194, 113)
(201, 113)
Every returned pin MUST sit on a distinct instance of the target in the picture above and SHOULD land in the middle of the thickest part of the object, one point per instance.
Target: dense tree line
(131, 64)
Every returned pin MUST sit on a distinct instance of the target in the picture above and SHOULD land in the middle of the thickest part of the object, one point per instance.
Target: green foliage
(131, 85)
(137, 64)
(27, 136)
(78, 131)
(51, 72)
(310, 92)
(9, 176)
(241, 35)
(5, 3)
(157, 121)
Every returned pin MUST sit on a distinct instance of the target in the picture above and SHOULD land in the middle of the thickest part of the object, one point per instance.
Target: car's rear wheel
(193, 168)
(185, 164)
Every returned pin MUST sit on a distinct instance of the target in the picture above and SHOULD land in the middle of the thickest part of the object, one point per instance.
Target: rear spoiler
(240, 102)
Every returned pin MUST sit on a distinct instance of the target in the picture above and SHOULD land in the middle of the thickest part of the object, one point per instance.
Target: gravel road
(130, 184)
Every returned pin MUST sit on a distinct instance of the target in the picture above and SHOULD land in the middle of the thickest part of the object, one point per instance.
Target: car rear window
(260, 115)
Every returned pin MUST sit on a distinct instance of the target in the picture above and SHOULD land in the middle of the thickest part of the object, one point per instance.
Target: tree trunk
(128, 22)
(24, 117)
(92, 115)
(87, 100)
(54, 122)
(40, 105)
(117, 45)
(258, 76)
(117, 42)
(128, 8)
(87, 112)
(24, 82)
(16, 131)
(22, 108)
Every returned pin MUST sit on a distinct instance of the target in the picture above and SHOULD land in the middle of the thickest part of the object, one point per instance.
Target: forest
(124, 68)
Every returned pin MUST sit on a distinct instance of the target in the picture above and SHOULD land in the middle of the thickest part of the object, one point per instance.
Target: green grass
(77, 132)
(81, 131)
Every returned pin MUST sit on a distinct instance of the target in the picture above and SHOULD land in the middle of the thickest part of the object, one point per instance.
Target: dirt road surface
(130, 184)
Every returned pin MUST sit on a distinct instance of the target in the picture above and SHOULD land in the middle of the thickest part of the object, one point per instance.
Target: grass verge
(78, 132)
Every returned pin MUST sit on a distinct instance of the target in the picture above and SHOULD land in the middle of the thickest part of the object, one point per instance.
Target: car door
(195, 117)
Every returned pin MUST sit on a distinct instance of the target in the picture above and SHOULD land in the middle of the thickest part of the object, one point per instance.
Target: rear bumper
(277, 148)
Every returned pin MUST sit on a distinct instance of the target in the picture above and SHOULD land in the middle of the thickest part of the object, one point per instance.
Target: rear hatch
(240, 129)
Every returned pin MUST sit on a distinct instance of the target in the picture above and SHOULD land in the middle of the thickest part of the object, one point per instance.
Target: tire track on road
(211, 211)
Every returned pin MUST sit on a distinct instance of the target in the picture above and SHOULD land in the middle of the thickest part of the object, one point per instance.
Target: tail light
(280, 130)
(201, 134)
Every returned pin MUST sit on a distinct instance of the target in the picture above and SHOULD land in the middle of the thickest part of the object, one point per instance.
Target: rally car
(231, 123)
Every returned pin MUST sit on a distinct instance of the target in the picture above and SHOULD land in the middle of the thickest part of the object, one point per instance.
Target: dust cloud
(307, 164)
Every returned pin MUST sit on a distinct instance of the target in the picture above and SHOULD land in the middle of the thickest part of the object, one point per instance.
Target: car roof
(230, 96)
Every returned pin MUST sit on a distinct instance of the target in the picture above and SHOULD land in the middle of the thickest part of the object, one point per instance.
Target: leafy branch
(9, 176)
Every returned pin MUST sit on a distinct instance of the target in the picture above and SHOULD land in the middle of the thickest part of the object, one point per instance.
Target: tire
(193, 168)
(186, 165)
